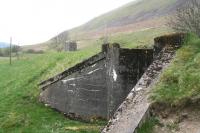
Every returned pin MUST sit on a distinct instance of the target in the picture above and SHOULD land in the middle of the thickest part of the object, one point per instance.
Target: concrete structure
(70, 46)
(136, 107)
(97, 86)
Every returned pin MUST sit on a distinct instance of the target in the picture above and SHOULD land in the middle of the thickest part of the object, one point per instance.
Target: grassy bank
(148, 126)
(180, 83)
(140, 38)
(20, 110)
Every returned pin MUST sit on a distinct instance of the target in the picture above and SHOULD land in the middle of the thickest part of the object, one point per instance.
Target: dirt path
(185, 121)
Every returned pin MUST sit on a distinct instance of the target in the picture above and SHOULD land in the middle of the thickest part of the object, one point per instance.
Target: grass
(142, 38)
(147, 127)
(180, 83)
(20, 110)
(69, 60)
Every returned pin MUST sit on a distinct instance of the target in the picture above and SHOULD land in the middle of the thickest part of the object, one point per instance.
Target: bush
(32, 51)
(187, 18)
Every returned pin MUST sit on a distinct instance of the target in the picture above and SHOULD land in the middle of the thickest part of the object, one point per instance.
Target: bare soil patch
(185, 120)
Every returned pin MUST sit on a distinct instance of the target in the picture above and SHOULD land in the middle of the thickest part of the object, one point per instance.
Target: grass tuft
(147, 127)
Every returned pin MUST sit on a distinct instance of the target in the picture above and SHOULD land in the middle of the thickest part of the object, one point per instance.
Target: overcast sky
(35, 21)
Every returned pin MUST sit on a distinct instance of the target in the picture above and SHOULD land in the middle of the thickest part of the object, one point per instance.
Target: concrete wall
(82, 94)
(70, 46)
(97, 86)
(175, 39)
(124, 69)
(134, 110)
(77, 68)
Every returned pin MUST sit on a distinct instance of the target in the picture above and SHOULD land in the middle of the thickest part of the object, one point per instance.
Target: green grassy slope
(141, 38)
(180, 83)
(20, 110)
(148, 126)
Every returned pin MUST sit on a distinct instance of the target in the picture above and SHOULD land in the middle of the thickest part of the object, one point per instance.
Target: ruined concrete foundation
(97, 86)
(113, 84)
(135, 108)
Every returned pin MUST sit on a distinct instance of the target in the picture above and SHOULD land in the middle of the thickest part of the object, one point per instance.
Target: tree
(1, 52)
(187, 18)
(16, 49)
(6, 51)
(57, 43)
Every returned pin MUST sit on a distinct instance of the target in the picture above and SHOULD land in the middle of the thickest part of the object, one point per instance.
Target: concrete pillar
(113, 79)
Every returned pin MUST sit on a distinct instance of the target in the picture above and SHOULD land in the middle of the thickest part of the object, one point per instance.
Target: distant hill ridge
(134, 16)
(129, 14)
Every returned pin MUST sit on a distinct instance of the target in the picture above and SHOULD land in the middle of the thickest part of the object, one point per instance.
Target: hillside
(20, 109)
(132, 17)
(128, 18)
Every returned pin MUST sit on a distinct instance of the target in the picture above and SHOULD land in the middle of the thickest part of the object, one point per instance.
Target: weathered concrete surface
(175, 39)
(124, 69)
(134, 110)
(82, 94)
(97, 86)
(77, 68)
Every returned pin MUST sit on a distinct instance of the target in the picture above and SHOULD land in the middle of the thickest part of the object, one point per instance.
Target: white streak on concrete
(138, 89)
(70, 91)
(89, 90)
(94, 65)
(93, 71)
(83, 100)
(114, 75)
(67, 80)
(72, 84)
